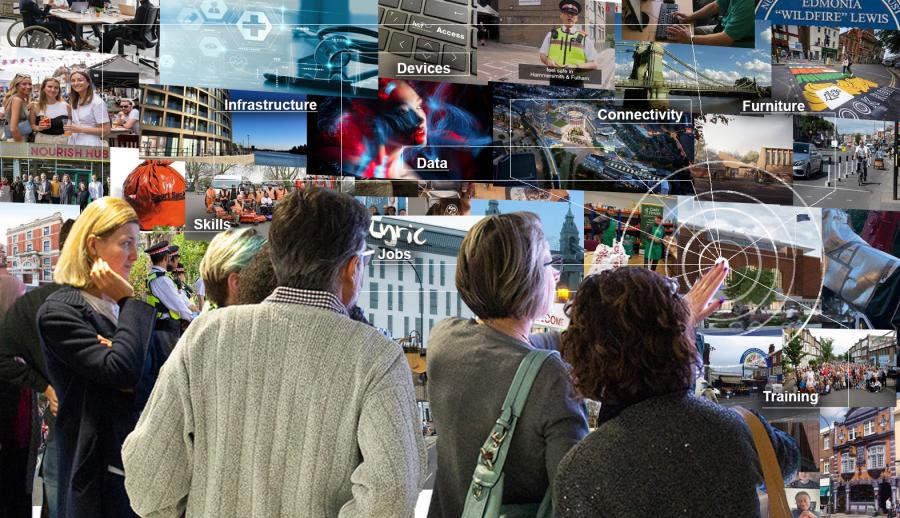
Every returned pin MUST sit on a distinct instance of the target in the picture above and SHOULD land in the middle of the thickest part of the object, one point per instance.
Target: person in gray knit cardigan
(286, 408)
(658, 450)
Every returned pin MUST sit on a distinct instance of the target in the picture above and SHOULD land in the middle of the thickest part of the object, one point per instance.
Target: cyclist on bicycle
(862, 160)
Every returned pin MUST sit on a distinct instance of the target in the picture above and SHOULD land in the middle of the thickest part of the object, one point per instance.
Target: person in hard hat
(568, 46)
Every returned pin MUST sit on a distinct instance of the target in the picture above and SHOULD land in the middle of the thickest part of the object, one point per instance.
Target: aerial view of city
(555, 138)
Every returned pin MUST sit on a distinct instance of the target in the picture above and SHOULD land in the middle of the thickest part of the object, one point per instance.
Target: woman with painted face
(50, 113)
(90, 120)
(95, 338)
(399, 123)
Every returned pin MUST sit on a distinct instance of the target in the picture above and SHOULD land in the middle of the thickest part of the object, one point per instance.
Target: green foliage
(751, 285)
(792, 353)
(890, 40)
(826, 346)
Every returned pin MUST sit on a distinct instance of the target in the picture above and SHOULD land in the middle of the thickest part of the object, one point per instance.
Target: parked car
(807, 160)
(888, 61)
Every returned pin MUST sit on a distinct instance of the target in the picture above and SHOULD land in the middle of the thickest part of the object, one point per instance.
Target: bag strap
(492, 455)
(778, 504)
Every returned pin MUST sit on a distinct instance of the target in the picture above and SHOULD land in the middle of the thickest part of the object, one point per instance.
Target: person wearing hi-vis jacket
(567, 46)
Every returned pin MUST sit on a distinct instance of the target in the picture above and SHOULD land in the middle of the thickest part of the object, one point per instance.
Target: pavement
(871, 92)
(774, 193)
(500, 62)
(838, 186)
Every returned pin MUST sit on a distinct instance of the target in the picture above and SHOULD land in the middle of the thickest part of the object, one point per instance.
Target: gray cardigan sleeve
(392, 472)
(158, 454)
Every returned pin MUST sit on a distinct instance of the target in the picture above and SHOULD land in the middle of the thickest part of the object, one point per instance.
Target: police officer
(567, 46)
(171, 309)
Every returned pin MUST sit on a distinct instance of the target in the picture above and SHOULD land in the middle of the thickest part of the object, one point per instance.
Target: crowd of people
(79, 116)
(841, 375)
(279, 399)
(236, 202)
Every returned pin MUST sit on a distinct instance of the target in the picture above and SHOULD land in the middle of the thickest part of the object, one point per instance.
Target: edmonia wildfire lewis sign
(873, 14)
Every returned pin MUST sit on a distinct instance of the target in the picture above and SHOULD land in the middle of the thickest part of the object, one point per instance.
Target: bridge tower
(647, 69)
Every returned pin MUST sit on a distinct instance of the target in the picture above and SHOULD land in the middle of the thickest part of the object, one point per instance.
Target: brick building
(33, 249)
(797, 273)
(811, 345)
(826, 458)
(862, 468)
(861, 46)
(877, 350)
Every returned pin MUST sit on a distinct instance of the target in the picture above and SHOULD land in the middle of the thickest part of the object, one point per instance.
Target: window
(15, 249)
(390, 326)
(400, 268)
(826, 465)
(443, 273)
(372, 318)
(48, 275)
(852, 434)
(390, 297)
(381, 270)
(826, 442)
(371, 268)
(45, 231)
(447, 306)
(875, 457)
(419, 325)
(46, 245)
(405, 326)
(458, 305)
(869, 428)
(28, 236)
(430, 323)
(433, 301)
(400, 298)
(430, 271)
(373, 295)
(28, 247)
(848, 463)
(46, 262)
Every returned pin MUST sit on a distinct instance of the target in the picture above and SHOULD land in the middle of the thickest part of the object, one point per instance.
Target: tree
(792, 354)
(890, 40)
(826, 346)
(282, 173)
(701, 121)
(200, 174)
(752, 285)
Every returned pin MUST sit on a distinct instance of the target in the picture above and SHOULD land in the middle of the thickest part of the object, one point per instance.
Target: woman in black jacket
(95, 338)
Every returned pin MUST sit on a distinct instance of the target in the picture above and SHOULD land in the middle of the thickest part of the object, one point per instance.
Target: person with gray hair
(506, 275)
(287, 407)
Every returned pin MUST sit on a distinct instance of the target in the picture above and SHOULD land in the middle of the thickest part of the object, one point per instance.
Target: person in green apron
(654, 248)
(609, 233)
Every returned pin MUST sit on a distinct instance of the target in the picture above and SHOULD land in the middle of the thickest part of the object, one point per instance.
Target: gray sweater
(278, 410)
(671, 456)
(470, 368)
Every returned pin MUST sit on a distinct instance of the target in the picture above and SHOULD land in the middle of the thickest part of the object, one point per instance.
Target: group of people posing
(38, 189)
(80, 118)
(284, 401)
(831, 376)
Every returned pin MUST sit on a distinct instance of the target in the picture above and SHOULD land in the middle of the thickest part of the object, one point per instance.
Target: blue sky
(724, 64)
(552, 214)
(268, 130)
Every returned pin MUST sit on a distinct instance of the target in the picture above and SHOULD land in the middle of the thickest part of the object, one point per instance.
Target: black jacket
(95, 386)
(32, 14)
(19, 338)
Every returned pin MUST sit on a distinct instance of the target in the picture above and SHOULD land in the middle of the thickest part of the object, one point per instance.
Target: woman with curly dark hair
(630, 344)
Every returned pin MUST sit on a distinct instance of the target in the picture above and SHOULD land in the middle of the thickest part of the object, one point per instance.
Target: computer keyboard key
(428, 57)
(395, 20)
(446, 32)
(474, 38)
(447, 11)
(455, 57)
(401, 44)
(474, 68)
(413, 6)
(380, 14)
(383, 35)
(389, 3)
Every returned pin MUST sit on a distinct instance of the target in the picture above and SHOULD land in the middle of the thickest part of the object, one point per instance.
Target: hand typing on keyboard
(679, 30)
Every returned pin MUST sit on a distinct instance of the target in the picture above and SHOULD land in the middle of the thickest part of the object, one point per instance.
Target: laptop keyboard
(437, 32)
(666, 16)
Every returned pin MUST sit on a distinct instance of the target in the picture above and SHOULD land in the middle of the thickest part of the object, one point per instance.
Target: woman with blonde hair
(95, 337)
(228, 253)
(15, 106)
(49, 113)
(90, 119)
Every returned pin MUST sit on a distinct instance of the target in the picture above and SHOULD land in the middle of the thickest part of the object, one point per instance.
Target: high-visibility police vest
(567, 48)
(154, 301)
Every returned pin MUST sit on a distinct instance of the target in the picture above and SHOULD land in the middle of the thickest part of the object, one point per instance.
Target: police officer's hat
(179, 268)
(173, 250)
(158, 251)
(571, 6)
